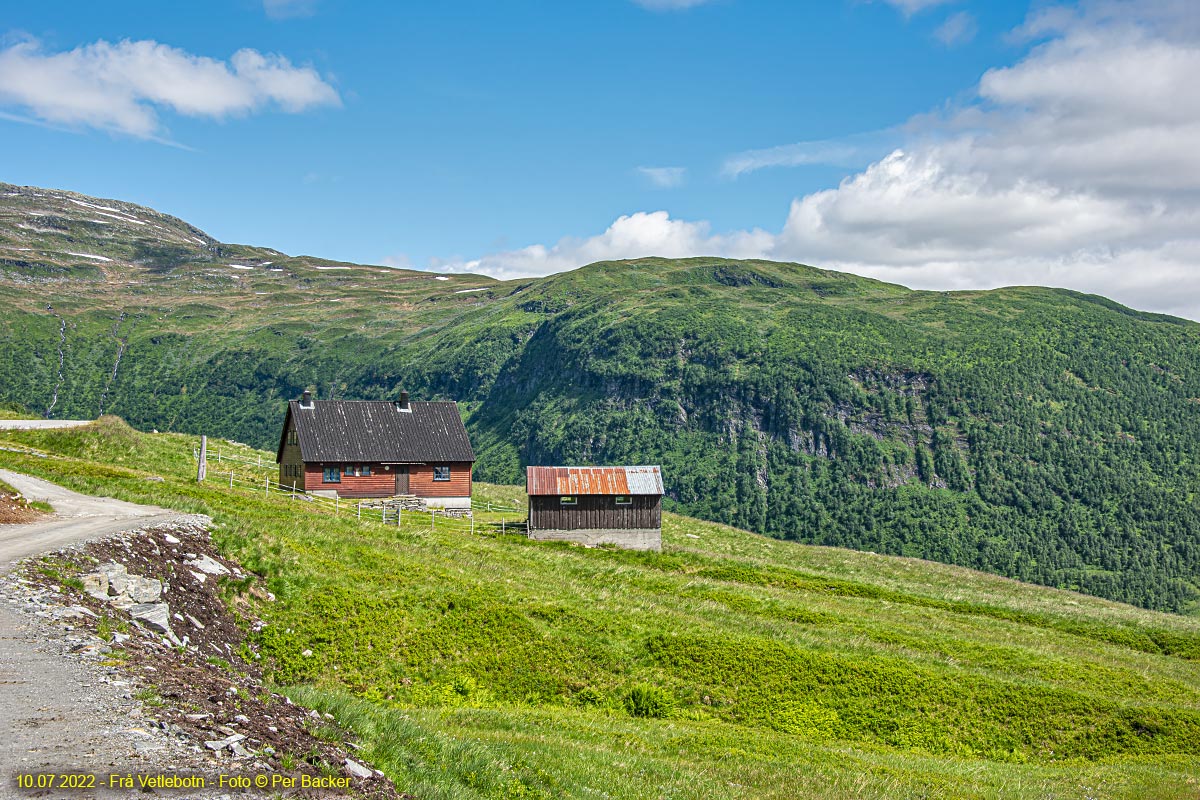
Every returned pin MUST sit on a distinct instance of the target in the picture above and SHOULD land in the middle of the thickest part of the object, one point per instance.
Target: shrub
(645, 700)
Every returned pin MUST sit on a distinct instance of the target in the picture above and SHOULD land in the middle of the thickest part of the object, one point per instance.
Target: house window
(366, 470)
(568, 500)
(441, 473)
(333, 475)
(292, 436)
(624, 500)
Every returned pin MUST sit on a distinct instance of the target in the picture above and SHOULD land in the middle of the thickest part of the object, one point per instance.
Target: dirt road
(40, 424)
(57, 714)
(77, 518)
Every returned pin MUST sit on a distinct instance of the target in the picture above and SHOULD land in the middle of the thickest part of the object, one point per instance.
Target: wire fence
(233, 458)
(383, 511)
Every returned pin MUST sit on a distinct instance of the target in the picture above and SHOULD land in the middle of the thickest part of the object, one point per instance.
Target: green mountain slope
(482, 665)
(1035, 433)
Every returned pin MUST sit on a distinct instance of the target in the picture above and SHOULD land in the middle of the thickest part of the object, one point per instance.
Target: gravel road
(55, 713)
(77, 518)
(40, 424)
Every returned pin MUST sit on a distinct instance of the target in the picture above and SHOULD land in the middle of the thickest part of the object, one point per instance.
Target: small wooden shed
(596, 505)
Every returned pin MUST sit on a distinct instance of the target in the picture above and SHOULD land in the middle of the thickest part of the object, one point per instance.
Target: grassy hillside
(1034, 433)
(729, 665)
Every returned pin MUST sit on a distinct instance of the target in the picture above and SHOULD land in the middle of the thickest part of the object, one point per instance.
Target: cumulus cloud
(1077, 167)
(123, 86)
(664, 177)
(632, 236)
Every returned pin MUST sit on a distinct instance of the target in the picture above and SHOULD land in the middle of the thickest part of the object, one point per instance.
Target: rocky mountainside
(1036, 433)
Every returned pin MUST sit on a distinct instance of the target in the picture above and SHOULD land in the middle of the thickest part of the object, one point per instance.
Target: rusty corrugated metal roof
(593, 480)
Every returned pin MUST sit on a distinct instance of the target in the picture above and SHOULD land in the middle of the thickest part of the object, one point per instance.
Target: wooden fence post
(266, 487)
(360, 509)
(230, 479)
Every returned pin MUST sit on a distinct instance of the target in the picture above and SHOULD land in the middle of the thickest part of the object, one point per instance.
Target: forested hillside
(1035, 433)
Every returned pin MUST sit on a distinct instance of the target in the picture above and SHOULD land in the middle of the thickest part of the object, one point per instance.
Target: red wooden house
(377, 448)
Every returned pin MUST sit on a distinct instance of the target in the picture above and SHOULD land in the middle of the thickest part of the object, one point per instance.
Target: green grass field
(485, 665)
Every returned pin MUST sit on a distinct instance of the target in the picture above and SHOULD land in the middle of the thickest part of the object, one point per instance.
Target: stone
(169, 539)
(96, 585)
(306, 653)
(217, 745)
(357, 770)
(118, 577)
(209, 565)
(195, 622)
(124, 602)
(199, 576)
(143, 590)
(156, 616)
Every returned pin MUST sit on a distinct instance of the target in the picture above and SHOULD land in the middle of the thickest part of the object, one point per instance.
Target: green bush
(645, 700)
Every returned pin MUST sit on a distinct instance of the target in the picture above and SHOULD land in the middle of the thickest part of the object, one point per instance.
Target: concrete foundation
(627, 539)
(448, 503)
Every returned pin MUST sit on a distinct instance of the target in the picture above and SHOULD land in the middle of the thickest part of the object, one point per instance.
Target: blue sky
(912, 140)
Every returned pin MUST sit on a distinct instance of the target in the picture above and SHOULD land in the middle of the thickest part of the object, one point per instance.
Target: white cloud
(664, 177)
(121, 87)
(632, 236)
(851, 151)
(959, 28)
(1077, 167)
(670, 5)
(285, 9)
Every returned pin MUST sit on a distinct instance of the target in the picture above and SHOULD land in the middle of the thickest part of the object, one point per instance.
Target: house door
(402, 480)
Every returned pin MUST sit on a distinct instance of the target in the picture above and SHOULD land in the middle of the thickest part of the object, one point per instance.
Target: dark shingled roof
(374, 430)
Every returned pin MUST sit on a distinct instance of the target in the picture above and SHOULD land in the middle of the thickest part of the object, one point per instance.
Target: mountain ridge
(1043, 434)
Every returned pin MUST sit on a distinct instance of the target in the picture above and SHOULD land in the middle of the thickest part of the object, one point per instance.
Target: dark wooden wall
(595, 512)
(291, 458)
